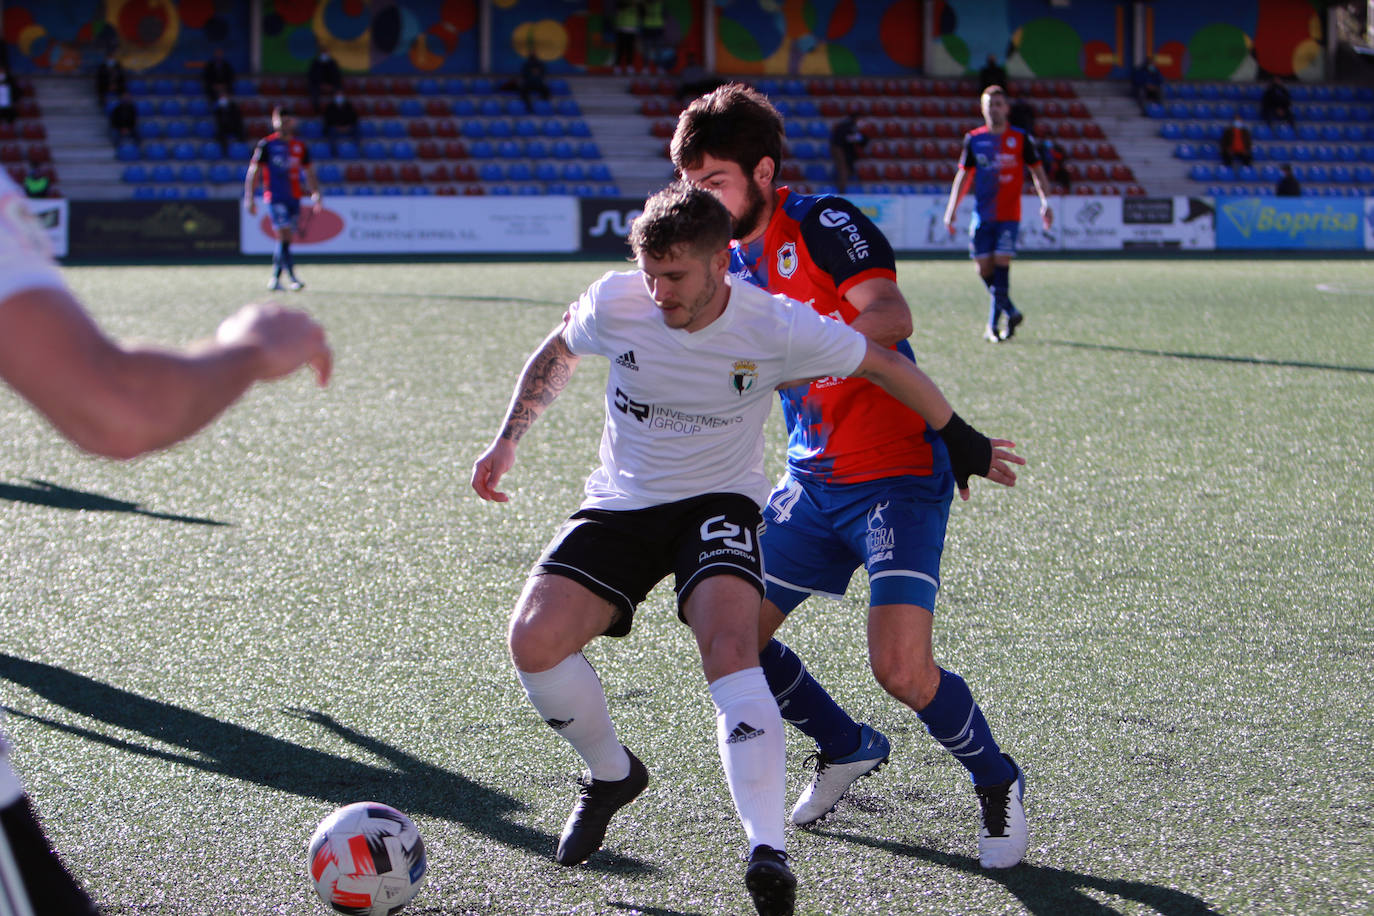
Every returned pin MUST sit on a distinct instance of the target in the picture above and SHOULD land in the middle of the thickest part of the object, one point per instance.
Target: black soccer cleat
(585, 830)
(1013, 322)
(770, 882)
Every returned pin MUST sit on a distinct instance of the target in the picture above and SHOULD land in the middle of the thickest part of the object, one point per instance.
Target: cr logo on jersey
(626, 404)
(787, 259)
(743, 375)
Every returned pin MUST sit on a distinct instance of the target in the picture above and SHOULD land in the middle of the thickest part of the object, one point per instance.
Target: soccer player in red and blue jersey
(993, 162)
(282, 159)
(868, 482)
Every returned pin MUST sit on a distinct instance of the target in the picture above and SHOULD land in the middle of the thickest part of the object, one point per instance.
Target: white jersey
(685, 410)
(25, 251)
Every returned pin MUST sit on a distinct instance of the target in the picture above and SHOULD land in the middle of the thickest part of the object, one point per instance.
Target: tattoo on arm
(544, 378)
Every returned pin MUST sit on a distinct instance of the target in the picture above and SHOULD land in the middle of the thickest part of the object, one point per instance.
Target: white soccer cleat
(274, 284)
(294, 285)
(834, 777)
(1003, 837)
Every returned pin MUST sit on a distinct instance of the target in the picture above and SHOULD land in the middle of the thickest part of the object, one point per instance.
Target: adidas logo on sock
(559, 724)
(743, 732)
(627, 360)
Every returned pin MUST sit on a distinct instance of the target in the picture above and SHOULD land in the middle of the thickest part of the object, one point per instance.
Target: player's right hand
(949, 224)
(490, 467)
(252, 206)
(286, 339)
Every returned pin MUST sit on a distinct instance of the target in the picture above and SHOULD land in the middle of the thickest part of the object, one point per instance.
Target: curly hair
(680, 216)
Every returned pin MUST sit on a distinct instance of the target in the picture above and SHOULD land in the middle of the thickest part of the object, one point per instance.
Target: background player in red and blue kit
(282, 159)
(994, 161)
(867, 483)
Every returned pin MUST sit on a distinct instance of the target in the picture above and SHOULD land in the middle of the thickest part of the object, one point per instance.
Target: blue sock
(994, 306)
(955, 721)
(287, 260)
(277, 259)
(1001, 288)
(804, 702)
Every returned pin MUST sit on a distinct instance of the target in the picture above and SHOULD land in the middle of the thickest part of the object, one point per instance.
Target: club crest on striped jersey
(787, 259)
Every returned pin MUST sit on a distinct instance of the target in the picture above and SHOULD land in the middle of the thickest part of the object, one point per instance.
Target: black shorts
(622, 555)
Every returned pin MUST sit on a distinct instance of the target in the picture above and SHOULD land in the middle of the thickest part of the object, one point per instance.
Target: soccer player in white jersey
(116, 401)
(695, 358)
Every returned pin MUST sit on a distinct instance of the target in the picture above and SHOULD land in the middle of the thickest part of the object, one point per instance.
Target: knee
(532, 647)
(914, 681)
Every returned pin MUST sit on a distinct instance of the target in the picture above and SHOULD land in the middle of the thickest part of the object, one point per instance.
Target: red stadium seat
(903, 149)
(419, 129)
(1079, 110)
(1106, 151)
(428, 149)
(1052, 109)
(446, 190)
(33, 130)
(383, 172)
(652, 107)
(641, 86)
(39, 152)
(355, 171)
(831, 108)
(894, 171)
(438, 173)
(385, 108)
(906, 108)
(1135, 190)
(945, 129)
(465, 171)
(437, 108)
(455, 149)
(892, 129)
(1122, 172)
(932, 108)
(917, 171)
(792, 171)
(1092, 131)
(1095, 172)
(446, 129)
(1067, 130)
(823, 86)
(409, 173)
(1083, 151)
(1109, 189)
(474, 190)
(881, 108)
(917, 130)
(8, 131)
(856, 107)
(878, 149)
(1083, 190)
(868, 170)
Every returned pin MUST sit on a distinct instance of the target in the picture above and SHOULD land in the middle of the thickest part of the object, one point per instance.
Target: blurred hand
(286, 339)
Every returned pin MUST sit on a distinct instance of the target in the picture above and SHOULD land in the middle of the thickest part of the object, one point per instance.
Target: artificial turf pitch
(1168, 621)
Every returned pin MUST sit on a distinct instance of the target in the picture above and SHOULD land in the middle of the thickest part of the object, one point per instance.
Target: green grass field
(1168, 621)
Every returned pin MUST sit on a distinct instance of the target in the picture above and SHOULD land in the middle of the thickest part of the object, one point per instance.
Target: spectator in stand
(124, 120)
(1147, 84)
(218, 75)
(324, 77)
(1236, 145)
(846, 142)
(651, 33)
(9, 97)
(1056, 159)
(1276, 104)
(110, 78)
(992, 74)
(1021, 114)
(532, 81)
(1288, 183)
(340, 120)
(626, 20)
(228, 120)
(37, 180)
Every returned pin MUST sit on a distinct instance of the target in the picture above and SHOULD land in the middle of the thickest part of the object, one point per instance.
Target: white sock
(570, 694)
(753, 751)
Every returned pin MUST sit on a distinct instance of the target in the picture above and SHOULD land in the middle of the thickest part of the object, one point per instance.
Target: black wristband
(970, 452)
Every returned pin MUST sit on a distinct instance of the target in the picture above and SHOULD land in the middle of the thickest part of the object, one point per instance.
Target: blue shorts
(993, 237)
(285, 212)
(816, 536)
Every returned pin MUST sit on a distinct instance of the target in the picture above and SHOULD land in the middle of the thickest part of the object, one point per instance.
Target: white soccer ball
(366, 859)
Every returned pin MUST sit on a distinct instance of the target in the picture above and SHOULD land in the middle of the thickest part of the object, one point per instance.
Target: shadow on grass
(646, 910)
(43, 493)
(1212, 357)
(1043, 890)
(413, 785)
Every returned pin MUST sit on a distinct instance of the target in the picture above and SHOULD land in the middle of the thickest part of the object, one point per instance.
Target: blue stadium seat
(171, 108)
(546, 171)
(515, 107)
(427, 86)
(574, 171)
(403, 150)
(499, 129)
(185, 152)
(196, 192)
(419, 190)
(528, 190)
(330, 173)
(1185, 151)
(146, 108)
(375, 149)
(816, 171)
(526, 128)
(134, 174)
(452, 85)
(768, 86)
(584, 190)
(1202, 171)
(191, 173)
(806, 108)
(1364, 174)
(579, 129)
(245, 87)
(1318, 173)
(204, 130)
(589, 150)
(177, 130)
(491, 171)
(1209, 91)
(560, 87)
(509, 149)
(520, 171)
(309, 129)
(210, 150)
(536, 149)
(542, 108)
(599, 171)
(154, 152)
(198, 107)
(164, 87)
(152, 130)
(551, 128)
(1324, 152)
(1261, 132)
(411, 108)
(1170, 131)
(1156, 110)
(464, 108)
(319, 151)
(347, 150)
(480, 85)
(609, 190)
(795, 129)
(482, 149)
(563, 150)
(501, 190)
(556, 187)
(804, 150)
(393, 129)
(568, 108)
(1246, 173)
(137, 87)
(368, 130)
(1195, 130)
(1341, 174)
(162, 174)
(364, 190)
(473, 129)
(1300, 153)
(491, 107)
(220, 173)
(145, 192)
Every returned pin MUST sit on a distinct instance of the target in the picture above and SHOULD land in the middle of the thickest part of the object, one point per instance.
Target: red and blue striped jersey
(998, 163)
(840, 430)
(281, 161)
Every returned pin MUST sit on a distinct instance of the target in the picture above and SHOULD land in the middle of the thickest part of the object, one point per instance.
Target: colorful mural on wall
(1218, 40)
(818, 37)
(162, 36)
(371, 36)
(579, 37)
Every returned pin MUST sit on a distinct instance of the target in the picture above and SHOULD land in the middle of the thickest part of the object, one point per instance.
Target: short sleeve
(821, 346)
(579, 324)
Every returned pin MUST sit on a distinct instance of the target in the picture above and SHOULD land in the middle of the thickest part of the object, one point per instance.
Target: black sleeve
(1030, 152)
(966, 160)
(843, 242)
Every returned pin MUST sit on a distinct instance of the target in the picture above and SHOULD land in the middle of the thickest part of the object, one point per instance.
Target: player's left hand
(1047, 216)
(490, 467)
(316, 202)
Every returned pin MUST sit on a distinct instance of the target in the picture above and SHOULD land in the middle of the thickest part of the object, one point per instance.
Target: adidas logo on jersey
(627, 359)
(743, 732)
